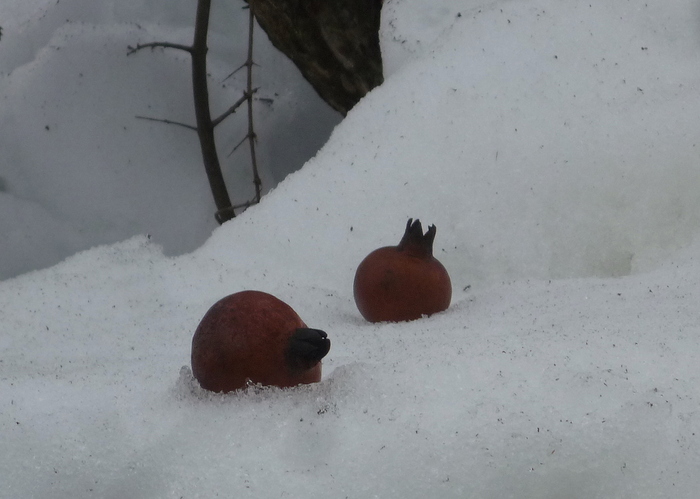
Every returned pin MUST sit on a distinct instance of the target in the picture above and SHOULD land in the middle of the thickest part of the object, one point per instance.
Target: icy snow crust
(552, 143)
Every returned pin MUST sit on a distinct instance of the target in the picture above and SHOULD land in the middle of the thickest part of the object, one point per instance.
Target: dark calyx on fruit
(307, 347)
(414, 242)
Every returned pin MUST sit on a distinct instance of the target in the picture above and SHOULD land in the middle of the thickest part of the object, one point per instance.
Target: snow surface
(552, 143)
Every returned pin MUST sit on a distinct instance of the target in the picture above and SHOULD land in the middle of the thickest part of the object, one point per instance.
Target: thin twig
(251, 131)
(168, 122)
(238, 69)
(153, 45)
(247, 204)
(238, 145)
(235, 71)
(233, 108)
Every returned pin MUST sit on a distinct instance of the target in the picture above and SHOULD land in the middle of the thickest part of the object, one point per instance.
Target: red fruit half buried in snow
(404, 282)
(252, 336)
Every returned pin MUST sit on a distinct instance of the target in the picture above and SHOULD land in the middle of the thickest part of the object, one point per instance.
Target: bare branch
(247, 136)
(251, 131)
(205, 127)
(247, 204)
(233, 108)
(153, 45)
(235, 71)
(239, 68)
(167, 122)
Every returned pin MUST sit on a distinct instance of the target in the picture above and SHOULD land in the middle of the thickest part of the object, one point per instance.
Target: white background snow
(553, 144)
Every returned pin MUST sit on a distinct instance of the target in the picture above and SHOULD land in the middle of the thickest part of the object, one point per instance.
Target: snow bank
(567, 365)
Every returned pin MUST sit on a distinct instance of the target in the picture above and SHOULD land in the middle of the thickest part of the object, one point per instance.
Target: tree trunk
(334, 43)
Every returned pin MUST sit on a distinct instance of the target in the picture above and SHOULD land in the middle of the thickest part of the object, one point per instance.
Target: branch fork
(204, 123)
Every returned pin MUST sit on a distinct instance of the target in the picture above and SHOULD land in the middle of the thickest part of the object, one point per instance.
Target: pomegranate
(404, 282)
(255, 337)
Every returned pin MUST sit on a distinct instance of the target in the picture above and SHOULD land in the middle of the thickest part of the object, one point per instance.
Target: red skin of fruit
(402, 283)
(245, 337)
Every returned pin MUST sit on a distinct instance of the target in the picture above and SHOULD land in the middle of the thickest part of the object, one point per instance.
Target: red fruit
(253, 336)
(404, 282)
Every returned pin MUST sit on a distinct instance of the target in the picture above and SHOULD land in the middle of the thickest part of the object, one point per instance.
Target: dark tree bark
(334, 43)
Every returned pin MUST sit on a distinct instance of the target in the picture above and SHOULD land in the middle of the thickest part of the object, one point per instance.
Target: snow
(552, 144)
